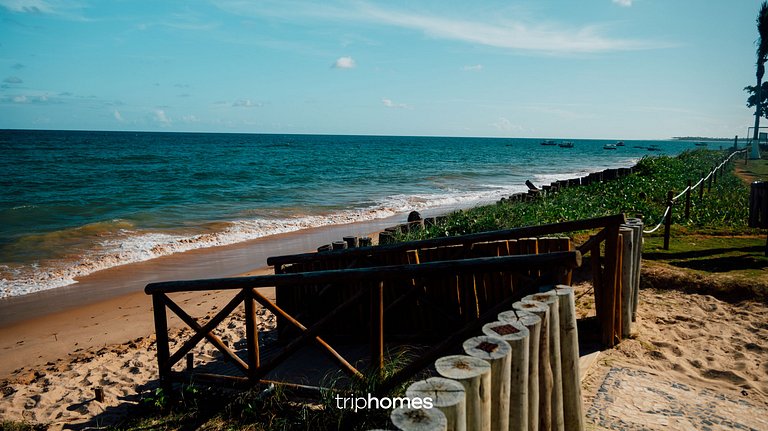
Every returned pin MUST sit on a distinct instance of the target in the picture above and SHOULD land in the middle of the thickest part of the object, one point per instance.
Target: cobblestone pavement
(630, 399)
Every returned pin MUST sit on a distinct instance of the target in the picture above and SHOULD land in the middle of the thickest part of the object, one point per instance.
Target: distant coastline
(701, 138)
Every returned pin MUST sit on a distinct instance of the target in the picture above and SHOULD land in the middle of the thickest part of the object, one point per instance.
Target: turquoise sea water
(72, 203)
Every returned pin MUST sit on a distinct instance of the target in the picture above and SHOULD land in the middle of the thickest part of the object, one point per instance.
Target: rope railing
(688, 189)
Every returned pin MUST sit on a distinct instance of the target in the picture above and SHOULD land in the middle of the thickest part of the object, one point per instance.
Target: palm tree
(762, 57)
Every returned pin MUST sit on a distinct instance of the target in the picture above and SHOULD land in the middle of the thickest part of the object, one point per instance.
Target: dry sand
(700, 340)
(61, 391)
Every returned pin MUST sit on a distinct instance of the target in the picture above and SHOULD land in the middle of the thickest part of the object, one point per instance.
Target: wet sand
(110, 307)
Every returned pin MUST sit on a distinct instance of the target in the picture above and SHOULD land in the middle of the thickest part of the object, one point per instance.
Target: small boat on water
(701, 144)
(567, 144)
(549, 142)
(654, 148)
(610, 147)
(620, 144)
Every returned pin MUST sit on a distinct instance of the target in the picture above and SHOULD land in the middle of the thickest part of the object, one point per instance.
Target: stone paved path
(630, 399)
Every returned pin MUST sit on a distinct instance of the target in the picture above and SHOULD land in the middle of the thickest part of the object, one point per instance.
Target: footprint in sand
(726, 375)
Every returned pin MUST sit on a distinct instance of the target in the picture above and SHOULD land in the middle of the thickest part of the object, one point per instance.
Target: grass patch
(739, 258)
(754, 170)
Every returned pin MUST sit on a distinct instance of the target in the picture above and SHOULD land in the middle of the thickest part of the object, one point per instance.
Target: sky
(604, 69)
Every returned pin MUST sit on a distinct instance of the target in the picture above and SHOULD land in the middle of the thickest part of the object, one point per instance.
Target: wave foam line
(131, 246)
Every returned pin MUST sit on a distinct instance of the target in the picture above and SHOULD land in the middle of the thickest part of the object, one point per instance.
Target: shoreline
(109, 307)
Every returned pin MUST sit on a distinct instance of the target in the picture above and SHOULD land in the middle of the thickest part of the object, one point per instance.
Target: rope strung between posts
(691, 188)
(669, 207)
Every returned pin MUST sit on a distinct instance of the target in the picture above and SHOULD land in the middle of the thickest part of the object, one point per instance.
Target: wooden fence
(459, 300)
(366, 285)
(370, 283)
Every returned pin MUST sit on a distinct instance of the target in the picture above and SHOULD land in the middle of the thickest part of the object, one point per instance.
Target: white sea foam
(130, 246)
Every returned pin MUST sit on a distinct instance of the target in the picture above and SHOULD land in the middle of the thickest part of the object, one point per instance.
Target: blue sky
(613, 69)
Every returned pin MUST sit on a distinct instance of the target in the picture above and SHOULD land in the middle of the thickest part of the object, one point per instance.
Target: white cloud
(625, 3)
(500, 31)
(118, 116)
(474, 68)
(67, 9)
(27, 6)
(390, 104)
(245, 103)
(13, 80)
(20, 99)
(162, 118)
(505, 125)
(344, 63)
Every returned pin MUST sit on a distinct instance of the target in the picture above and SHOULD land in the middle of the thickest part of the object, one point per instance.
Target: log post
(637, 225)
(161, 337)
(496, 352)
(549, 298)
(98, 394)
(377, 328)
(364, 241)
(352, 241)
(475, 375)
(339, 245)
(688, 201)
(532, 323)
(626, 280)
(668, 220)
(545, 369)
(569, 343)
(518, 336)
(446, 395)
(251, 334)
(408, 419)
(701, 188)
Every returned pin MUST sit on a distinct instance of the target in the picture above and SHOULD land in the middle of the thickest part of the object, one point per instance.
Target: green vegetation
(722, 209)
(20, 426)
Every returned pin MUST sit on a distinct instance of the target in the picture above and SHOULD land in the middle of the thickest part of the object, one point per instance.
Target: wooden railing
(370, 283)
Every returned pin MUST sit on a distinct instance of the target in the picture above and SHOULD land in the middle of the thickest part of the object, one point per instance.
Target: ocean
(72, 203)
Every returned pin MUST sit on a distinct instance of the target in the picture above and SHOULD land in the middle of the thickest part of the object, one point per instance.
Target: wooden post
(709, 184)
(418, 419)
(251, 335)
(386, 237)
(545, 369)
(364, 241)
(555, 360)
(626, 281)
(518, 336)
(475, 375)
(610, 285)
(701, 188)
(377, 328)
(98, 394)
(532, 323)
(688, 201)
(161, 337)
(569, 343)
(496, 352)
(668, 220)
(637, 241)
(714, 175)
(447, 395)
(339, 245)
(190, 362)
(352, 241)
